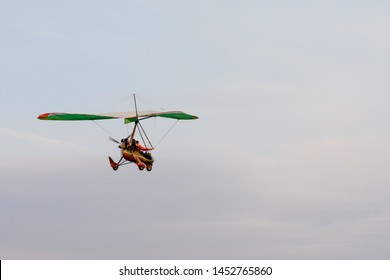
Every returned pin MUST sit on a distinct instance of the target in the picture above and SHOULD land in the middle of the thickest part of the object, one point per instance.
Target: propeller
(114, 140)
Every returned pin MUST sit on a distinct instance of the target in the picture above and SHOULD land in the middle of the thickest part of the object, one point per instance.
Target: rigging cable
(115, 104)
(166, 133)
(147, 101)
(104, 129)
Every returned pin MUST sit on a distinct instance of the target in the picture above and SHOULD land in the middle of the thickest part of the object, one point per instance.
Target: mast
(137, 124)
(136, 120)
(135, 105)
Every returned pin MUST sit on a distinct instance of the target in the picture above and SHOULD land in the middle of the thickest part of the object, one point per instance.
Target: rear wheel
(149, 167)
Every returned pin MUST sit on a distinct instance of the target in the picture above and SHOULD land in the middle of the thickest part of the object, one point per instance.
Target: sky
(289, 158)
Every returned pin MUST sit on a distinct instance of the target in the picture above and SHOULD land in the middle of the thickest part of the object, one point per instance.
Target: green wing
(127, 116)
(72, 117)
(178, 115)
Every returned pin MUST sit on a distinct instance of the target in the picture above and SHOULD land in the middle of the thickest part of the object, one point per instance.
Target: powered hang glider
(131, 150)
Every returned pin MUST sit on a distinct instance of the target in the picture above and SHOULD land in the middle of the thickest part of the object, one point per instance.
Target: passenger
(140, 147)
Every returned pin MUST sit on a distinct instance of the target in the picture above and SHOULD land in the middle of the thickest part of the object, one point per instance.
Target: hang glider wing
(178, 115)
(128, 117)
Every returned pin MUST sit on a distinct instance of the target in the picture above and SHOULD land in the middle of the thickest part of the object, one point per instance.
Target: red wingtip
(43, 116)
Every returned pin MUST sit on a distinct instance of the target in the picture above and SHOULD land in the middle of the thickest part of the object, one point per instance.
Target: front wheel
(149, 167)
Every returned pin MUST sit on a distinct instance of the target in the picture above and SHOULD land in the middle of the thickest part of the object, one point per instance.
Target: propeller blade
(113, 140)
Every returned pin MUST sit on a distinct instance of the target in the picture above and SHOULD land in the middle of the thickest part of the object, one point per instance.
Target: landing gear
(131, 157)
(113, 164)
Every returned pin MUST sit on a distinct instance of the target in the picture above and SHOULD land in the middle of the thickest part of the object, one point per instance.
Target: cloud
(35, 138)
(7, 132)
(31, 152)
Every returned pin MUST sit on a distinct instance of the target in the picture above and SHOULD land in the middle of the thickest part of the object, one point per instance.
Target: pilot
(123, 145)
(133, 145)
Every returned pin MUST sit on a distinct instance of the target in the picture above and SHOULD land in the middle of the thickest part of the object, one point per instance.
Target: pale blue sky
(289, 159)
